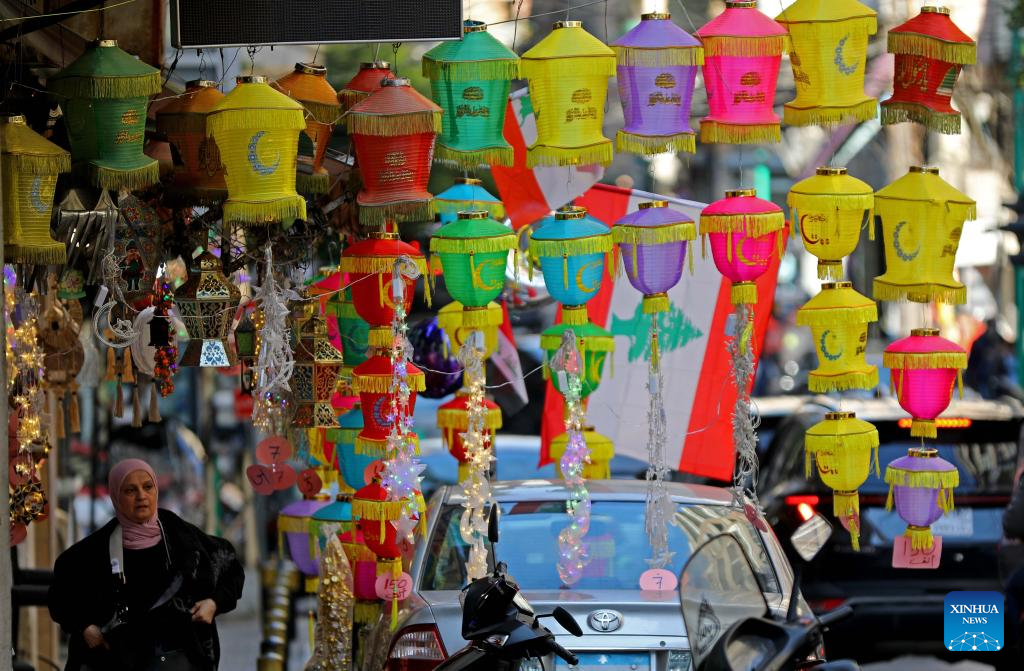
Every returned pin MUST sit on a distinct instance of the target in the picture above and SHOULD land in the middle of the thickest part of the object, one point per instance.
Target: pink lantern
(744, 231)
(923, 368)
(742, 53)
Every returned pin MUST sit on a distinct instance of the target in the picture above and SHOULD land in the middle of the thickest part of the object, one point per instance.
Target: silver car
(625, 628)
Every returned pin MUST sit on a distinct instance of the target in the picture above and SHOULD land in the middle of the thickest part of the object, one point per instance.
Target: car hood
(650, 620)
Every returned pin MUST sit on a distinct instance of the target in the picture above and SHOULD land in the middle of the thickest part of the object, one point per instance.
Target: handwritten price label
(273, 450)
(388, 588)
(310, 482)
(904, 556)
(266, 479)
(658, 580)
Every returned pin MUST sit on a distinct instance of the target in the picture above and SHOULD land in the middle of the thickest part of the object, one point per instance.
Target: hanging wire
(81, 11)
(515, 26)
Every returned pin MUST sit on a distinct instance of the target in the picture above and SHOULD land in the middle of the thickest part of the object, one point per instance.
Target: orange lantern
(198, 173)
(366, 81)
(308, 85)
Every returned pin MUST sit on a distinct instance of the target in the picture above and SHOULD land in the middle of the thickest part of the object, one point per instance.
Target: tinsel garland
(275, 362)
(476, 443)
(332, 648)
(741, 354)
(659, 509)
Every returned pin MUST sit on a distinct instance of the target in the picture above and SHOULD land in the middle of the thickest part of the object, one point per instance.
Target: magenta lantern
(921, 485)
(923, 368)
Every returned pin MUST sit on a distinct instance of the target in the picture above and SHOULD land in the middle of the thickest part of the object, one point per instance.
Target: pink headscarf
(136, 536)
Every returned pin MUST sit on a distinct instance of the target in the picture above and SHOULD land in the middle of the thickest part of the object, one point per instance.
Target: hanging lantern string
(72, 13)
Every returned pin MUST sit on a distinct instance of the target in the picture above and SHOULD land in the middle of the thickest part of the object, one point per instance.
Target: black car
(899, 611)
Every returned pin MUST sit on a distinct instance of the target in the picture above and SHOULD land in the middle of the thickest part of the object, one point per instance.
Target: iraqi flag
(699, 392)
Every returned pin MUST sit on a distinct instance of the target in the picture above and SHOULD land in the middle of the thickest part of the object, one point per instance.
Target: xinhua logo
(973, 621)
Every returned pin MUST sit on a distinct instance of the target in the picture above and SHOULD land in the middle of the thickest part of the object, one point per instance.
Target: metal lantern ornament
(568, 75)
(466, 194)
(828, 53)
(930, 52)
(594, 344)
(453, 420)
(393, 131)
(742, 53)
(104, 95)
(257, 131)
(657, 65)
(308, 85)
(373, 380)
(921, 485)
(828, 211)
(922, 219)
(372, 296)
(473, 252)
(206, 303)
(842, 448)
(923, 368)
(198, 173)
(31, 164)
(743, 231)
(838, 318)
(315, 376)
(652, 245)
(470, 79)
(366, 81)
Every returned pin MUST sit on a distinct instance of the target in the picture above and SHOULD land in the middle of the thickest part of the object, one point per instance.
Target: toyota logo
(605, 620)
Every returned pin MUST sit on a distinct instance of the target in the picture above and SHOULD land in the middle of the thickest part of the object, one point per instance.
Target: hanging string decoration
(921, 484)
(657, 65)
(930, 52)
(104, 95)
(198, 173)
(308, 85)
(275, 360)
(922, 370)
(470, 79)
(658, 506)
(162, 337)
(31, 164)
(332, 647)
(64, 357)
(593, 344)
(742, 53)
(453, 419)
(838, 318)
(257, 130)
(568, 73)
(366, 81)
(466, 194)
(922, 220)
(741, 357)
(829, 48)
(652, 244)
(449, 319)
(601, 448)
(206, 303)
(843, 449)
(372, 380)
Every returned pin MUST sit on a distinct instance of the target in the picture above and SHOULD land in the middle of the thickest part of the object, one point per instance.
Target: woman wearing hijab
(141, 594)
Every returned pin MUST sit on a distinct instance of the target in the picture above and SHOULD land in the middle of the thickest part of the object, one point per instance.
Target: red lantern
(376, 516)
(453, 420)
(393, 131)
(372, 296)
(923, 368)
(366, 81)
(374, 381)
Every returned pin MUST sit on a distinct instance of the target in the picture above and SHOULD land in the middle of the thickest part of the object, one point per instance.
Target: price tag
(658, 580)
(388, 588)
(310, 482)
(373, 471)
(273, 450)
(261, 478)
(904, 556)
(284, 476)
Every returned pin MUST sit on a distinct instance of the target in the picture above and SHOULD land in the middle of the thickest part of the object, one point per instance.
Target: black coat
(83, 593)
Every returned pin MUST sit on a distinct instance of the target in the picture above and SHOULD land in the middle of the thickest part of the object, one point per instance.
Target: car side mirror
(811, 536)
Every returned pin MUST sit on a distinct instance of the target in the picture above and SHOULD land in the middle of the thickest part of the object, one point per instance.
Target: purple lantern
(921, 484)
(433, 352)
(293, 525)
(657, 68)
(652, 242)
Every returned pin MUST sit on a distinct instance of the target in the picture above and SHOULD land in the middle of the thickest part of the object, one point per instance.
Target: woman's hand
(204, 611)
(94, 637)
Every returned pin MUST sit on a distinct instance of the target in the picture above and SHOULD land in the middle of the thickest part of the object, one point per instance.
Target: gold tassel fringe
(656, 303)
(40, 254)
(593, 244)
(754, 225)
(919, 293)
(494, 208)
(733, 45)
(350, 97)
(459, 419)
(830, 117)
(498, 243)
(902, 112)
(127, 369)
(830, 271)
(471, 71)
(380, 336)
(38, 164)
(930, 47)
(382, 384)
(409, 210)
(743, 293)
(365, 509)
(321, 112)
(454, 158)
(837, 316)
(392, 125)
(924, 361)
(727, 133)
(588, 344)
(365, 612)
(823, 384)
(139, 86)
(111, 179)
(655, 235)
(543, 155)
(846, 506)
(283, 118)
(571, 67)
(648, 145)
(575, 316)
(923, 428)
(263, 213)
(920, 537)
(922, 479)
(658, 58)
(374, 265)
(476, 317)
(312, 184)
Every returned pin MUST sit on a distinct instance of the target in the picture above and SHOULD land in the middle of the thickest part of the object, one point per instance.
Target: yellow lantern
(568, 75)
(922, 219)
(828, 52)
(257, 131)
(842, 448)
(308, 84)
(601, 452)
(451, 320)
(839, 318)
(828, 211)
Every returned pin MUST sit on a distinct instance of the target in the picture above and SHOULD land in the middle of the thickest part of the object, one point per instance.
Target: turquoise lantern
(351, 464)
(467, 194)
(338, 512)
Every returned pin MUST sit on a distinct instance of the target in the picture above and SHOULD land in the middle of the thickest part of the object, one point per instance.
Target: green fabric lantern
(594, 343)
(470, 79)
(473, 251)
(104, 96)
(353, 331)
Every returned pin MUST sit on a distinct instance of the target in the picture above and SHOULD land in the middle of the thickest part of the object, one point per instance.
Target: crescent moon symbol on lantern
(823, 342)
(596, 362)
(478, 280)
(750, 263)
(840, 61)
(254, 159)
(35, 195)
(579, 277)
(900, 252)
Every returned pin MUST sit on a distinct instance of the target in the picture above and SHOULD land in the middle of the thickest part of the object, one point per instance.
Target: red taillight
(416, 648)
(823, 606)
(804, 505)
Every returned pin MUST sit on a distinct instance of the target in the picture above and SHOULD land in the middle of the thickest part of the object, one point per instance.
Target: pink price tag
(309, 482)
(261, 478)
(658, 580)
(388, 588)
(904, 556)
(273, 450)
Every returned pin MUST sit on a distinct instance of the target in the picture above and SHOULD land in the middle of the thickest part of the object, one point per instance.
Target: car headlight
(678, 660)
(532, 664)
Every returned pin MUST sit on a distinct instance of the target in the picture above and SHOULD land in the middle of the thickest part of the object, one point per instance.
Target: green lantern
(594, 344)
(470, 79)
(353, 331)
(104, 95)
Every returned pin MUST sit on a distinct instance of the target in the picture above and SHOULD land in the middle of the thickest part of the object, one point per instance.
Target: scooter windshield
(717, 588)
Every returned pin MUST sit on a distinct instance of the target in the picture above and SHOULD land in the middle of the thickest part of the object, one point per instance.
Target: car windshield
(617, 540)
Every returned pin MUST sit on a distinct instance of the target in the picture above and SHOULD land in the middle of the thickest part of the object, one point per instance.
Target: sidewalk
(241, 634)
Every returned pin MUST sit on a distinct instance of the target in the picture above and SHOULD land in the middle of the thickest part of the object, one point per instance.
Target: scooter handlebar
(570, 658)
(835, 615)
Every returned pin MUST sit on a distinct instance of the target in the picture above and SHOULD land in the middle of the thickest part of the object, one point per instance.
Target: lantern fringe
(921, 479)
(38, 254)
(662, 57)
(656, 303)
(38, 164)
(727, 133)
(830, 271)
(374, 265)
(497, 243)
(409, 210)
(830, 117)
(743, 293)
(683, 231)
(920, 537)
(476, 317)
(837, 316)
(454, 158)
(588, 344)
(593, 244)
(312, 184)
(575, 316)
(822, 384)
(365, 612)
(138, 86)
(382, 384)
(321, 112)
(906, 208)
(544, 155)
(286, 118)
(385, 511)
(459, 419)
(286, 524)
(919, 293)
(754, 225)
(357, 552)
(744, 47)
(392, 125)
(133, 179)
(902, 112)
(962, 53)
(380, 337)
(378, 447)
(923, 428)
(649, 145)
(846, 506)
(827, 203)
(468, 71)
(924, 360)
(266, 212)
(136, 408)
(570, 67)
(494, 208)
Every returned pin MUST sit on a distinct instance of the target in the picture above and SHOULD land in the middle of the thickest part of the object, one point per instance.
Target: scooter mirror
(492, 524)
(568, 622)
(811, 536)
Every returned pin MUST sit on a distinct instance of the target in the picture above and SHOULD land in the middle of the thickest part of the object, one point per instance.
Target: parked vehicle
(899, 611)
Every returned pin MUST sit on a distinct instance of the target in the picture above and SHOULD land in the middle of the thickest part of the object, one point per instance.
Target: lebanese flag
(699, 392)
(531, 194)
